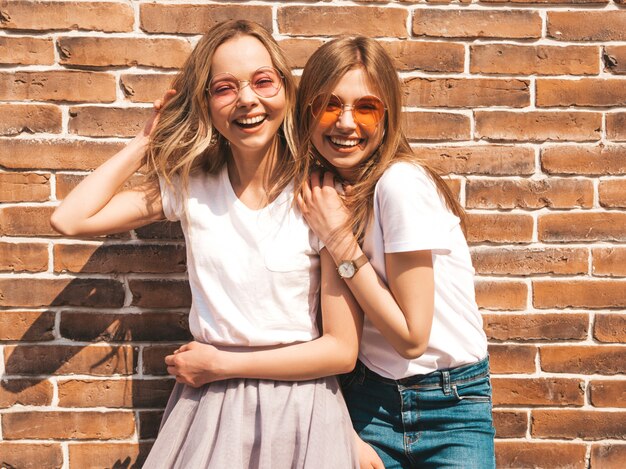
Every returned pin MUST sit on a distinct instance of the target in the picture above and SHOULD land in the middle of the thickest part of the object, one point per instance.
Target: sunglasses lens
(224, 88)
(368, 111)
(326, 113)
(266, 82)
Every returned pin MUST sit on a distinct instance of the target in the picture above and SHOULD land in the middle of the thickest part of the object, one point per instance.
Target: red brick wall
(522, 102)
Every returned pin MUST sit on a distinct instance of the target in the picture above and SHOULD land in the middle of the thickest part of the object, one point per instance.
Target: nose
(246, 95)
(346, 118)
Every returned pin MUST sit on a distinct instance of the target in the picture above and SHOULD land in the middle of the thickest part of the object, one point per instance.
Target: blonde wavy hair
(185, 141)
(321, 74)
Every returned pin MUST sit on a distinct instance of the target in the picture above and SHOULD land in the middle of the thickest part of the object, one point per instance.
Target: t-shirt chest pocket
(288, 250)
(284, 256)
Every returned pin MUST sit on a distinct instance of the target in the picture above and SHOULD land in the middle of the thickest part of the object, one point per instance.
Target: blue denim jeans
(437, 420)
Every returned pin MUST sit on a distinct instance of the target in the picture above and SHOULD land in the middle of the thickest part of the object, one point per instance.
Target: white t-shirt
(409, 215)
(254, 274)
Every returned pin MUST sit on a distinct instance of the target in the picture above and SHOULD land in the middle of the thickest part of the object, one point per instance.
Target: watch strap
(360, 261)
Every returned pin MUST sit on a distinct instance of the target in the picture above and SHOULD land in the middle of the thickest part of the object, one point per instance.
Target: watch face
(346, 269)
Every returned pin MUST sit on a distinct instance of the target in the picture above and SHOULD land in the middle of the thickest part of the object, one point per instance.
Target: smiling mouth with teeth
(345, 142)
(248, 122)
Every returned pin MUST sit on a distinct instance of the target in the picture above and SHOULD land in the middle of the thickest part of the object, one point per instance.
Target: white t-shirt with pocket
(410, 215)
(254, 274)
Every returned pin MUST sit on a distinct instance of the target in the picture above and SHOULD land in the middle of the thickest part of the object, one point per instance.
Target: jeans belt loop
(445, 382)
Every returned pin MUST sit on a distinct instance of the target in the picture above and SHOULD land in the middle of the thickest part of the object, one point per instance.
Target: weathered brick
(584, 424)
(518, 454)
(612, 193)
(68, 425)
(24, 187)
(436, 126)
(151, 327)
(496, 160)
(497, 295)
(610, 328)
(334, 21)
(608, 393)
(464, 92)
(529, 194)
(510, 59)
(119, 258)
(583, 227)
(528, 260)
(96, 121)
(149, 423)
(510, 423)
(538, 391)
(56, 360)
(55, 154)
(198, 19)
(583, 359)
(550, 2)
(66, 182)
(23, 257)
(477, 23)
(99, 455)
(579, 294)
(160, 293)
(610, 261)
(515, 359)
(31, 456)
(499, 228)
(52, 15)
(298, 51)
(608, 456)
(25, 392)
(588, 92)
(616, 125)
(123, 52)
(58, 85)
(121, 393)
(614, 58)
(32, 292)
(587, 25)
(145, 88)
(154, 358)
(15, 50)
(538, 126)
(585, 160)
(26, 221)
(426, 56)
(163, 230)
(536, 326)
(30, 326)
(29, 118)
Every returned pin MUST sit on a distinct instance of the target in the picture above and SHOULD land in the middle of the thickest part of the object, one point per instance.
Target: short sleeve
(412, 214)
(171, 198)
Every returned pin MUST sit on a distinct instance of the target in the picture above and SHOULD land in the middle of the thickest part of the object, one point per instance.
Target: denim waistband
(440, 378)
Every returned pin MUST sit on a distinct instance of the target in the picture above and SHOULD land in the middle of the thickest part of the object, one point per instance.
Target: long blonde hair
(321, 74)
(184, 139)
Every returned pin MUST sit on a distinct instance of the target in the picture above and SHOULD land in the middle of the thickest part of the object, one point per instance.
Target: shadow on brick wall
(91, 367)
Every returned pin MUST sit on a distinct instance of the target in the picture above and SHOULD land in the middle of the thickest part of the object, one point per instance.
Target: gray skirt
(261, 424)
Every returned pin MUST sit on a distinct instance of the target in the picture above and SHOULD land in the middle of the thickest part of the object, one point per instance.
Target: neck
(250, 173)
(348, 175)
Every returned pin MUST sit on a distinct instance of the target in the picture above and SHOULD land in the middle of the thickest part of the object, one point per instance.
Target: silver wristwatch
(347, 269)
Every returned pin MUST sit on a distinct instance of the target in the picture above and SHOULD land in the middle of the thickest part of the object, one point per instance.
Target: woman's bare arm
(402, 310)
(97, 206)
(334, 352)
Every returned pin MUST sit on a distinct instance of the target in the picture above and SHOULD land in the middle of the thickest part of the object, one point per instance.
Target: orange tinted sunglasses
(367, 111)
